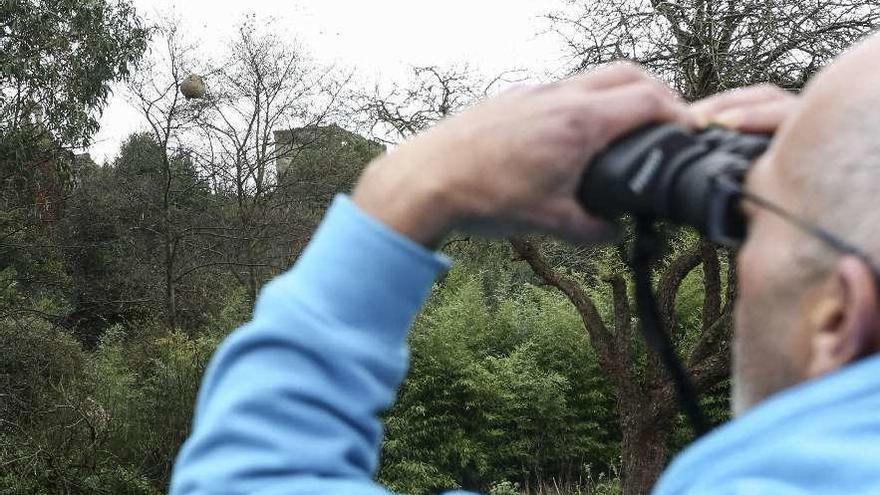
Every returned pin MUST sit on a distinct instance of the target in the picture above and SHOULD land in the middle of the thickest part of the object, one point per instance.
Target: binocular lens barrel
(670, 173)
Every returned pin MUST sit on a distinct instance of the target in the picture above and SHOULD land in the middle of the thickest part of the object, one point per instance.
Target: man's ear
(845, 319)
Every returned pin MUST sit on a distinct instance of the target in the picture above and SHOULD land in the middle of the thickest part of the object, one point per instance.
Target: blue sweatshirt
(821, 437)
(290, 402)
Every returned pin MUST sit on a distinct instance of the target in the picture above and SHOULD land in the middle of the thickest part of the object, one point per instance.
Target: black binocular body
(670, 173)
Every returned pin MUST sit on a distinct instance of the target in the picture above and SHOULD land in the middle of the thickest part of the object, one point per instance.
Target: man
(289, 403)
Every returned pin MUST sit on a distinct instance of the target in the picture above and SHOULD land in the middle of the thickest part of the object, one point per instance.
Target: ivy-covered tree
(57, 63)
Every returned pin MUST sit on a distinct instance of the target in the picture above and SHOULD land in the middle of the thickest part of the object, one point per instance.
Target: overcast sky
(382, 39)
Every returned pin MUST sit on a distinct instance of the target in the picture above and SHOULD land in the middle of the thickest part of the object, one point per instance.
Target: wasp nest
(193, 87)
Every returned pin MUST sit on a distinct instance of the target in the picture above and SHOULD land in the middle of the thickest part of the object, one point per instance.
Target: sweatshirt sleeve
(290, 402)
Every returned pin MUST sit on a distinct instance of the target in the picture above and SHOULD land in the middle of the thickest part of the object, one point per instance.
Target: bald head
(829, 153)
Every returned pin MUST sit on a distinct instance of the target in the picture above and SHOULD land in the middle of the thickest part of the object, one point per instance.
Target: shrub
(498, 390)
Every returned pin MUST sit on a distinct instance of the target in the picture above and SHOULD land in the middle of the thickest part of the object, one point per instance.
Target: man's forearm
(291, 400)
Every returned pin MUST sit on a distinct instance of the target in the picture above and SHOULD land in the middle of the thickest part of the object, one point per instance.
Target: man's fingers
(567, 219)
(704, 111)
(739, 97)
(626, 108)
(760, 118)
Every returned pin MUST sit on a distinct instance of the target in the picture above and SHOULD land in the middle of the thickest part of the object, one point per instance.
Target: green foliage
(504, 391)
(504, 488)
(9, 294)
(38, 366)
(117, 480)
(115, 234)
(106, 422)
(318, 162)
(49, 422)
(57, 60)
(170, 388)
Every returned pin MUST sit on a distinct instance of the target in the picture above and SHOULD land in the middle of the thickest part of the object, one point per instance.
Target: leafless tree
(703, 46)
(266, 87)
(433, 93)
(172, 122)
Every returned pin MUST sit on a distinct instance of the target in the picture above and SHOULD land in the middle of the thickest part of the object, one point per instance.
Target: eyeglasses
(733, 187)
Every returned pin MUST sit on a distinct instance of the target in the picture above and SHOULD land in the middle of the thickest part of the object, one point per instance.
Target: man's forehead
(779, 174)
(796, 141)
(753, 179)
(760, 179)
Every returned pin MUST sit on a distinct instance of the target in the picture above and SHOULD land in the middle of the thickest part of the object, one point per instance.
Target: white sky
(382, 39)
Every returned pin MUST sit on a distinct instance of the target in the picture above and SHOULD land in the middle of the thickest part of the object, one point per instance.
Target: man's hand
(757, 109)
(512, 163)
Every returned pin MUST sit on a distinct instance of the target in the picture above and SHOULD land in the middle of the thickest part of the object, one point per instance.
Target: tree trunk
(646, 408)
(170, 292)
(644, 454)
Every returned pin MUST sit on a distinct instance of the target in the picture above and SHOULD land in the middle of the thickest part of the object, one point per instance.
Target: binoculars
(670, 173)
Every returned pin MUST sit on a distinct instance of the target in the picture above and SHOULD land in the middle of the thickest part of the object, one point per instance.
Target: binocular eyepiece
(667, 172)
